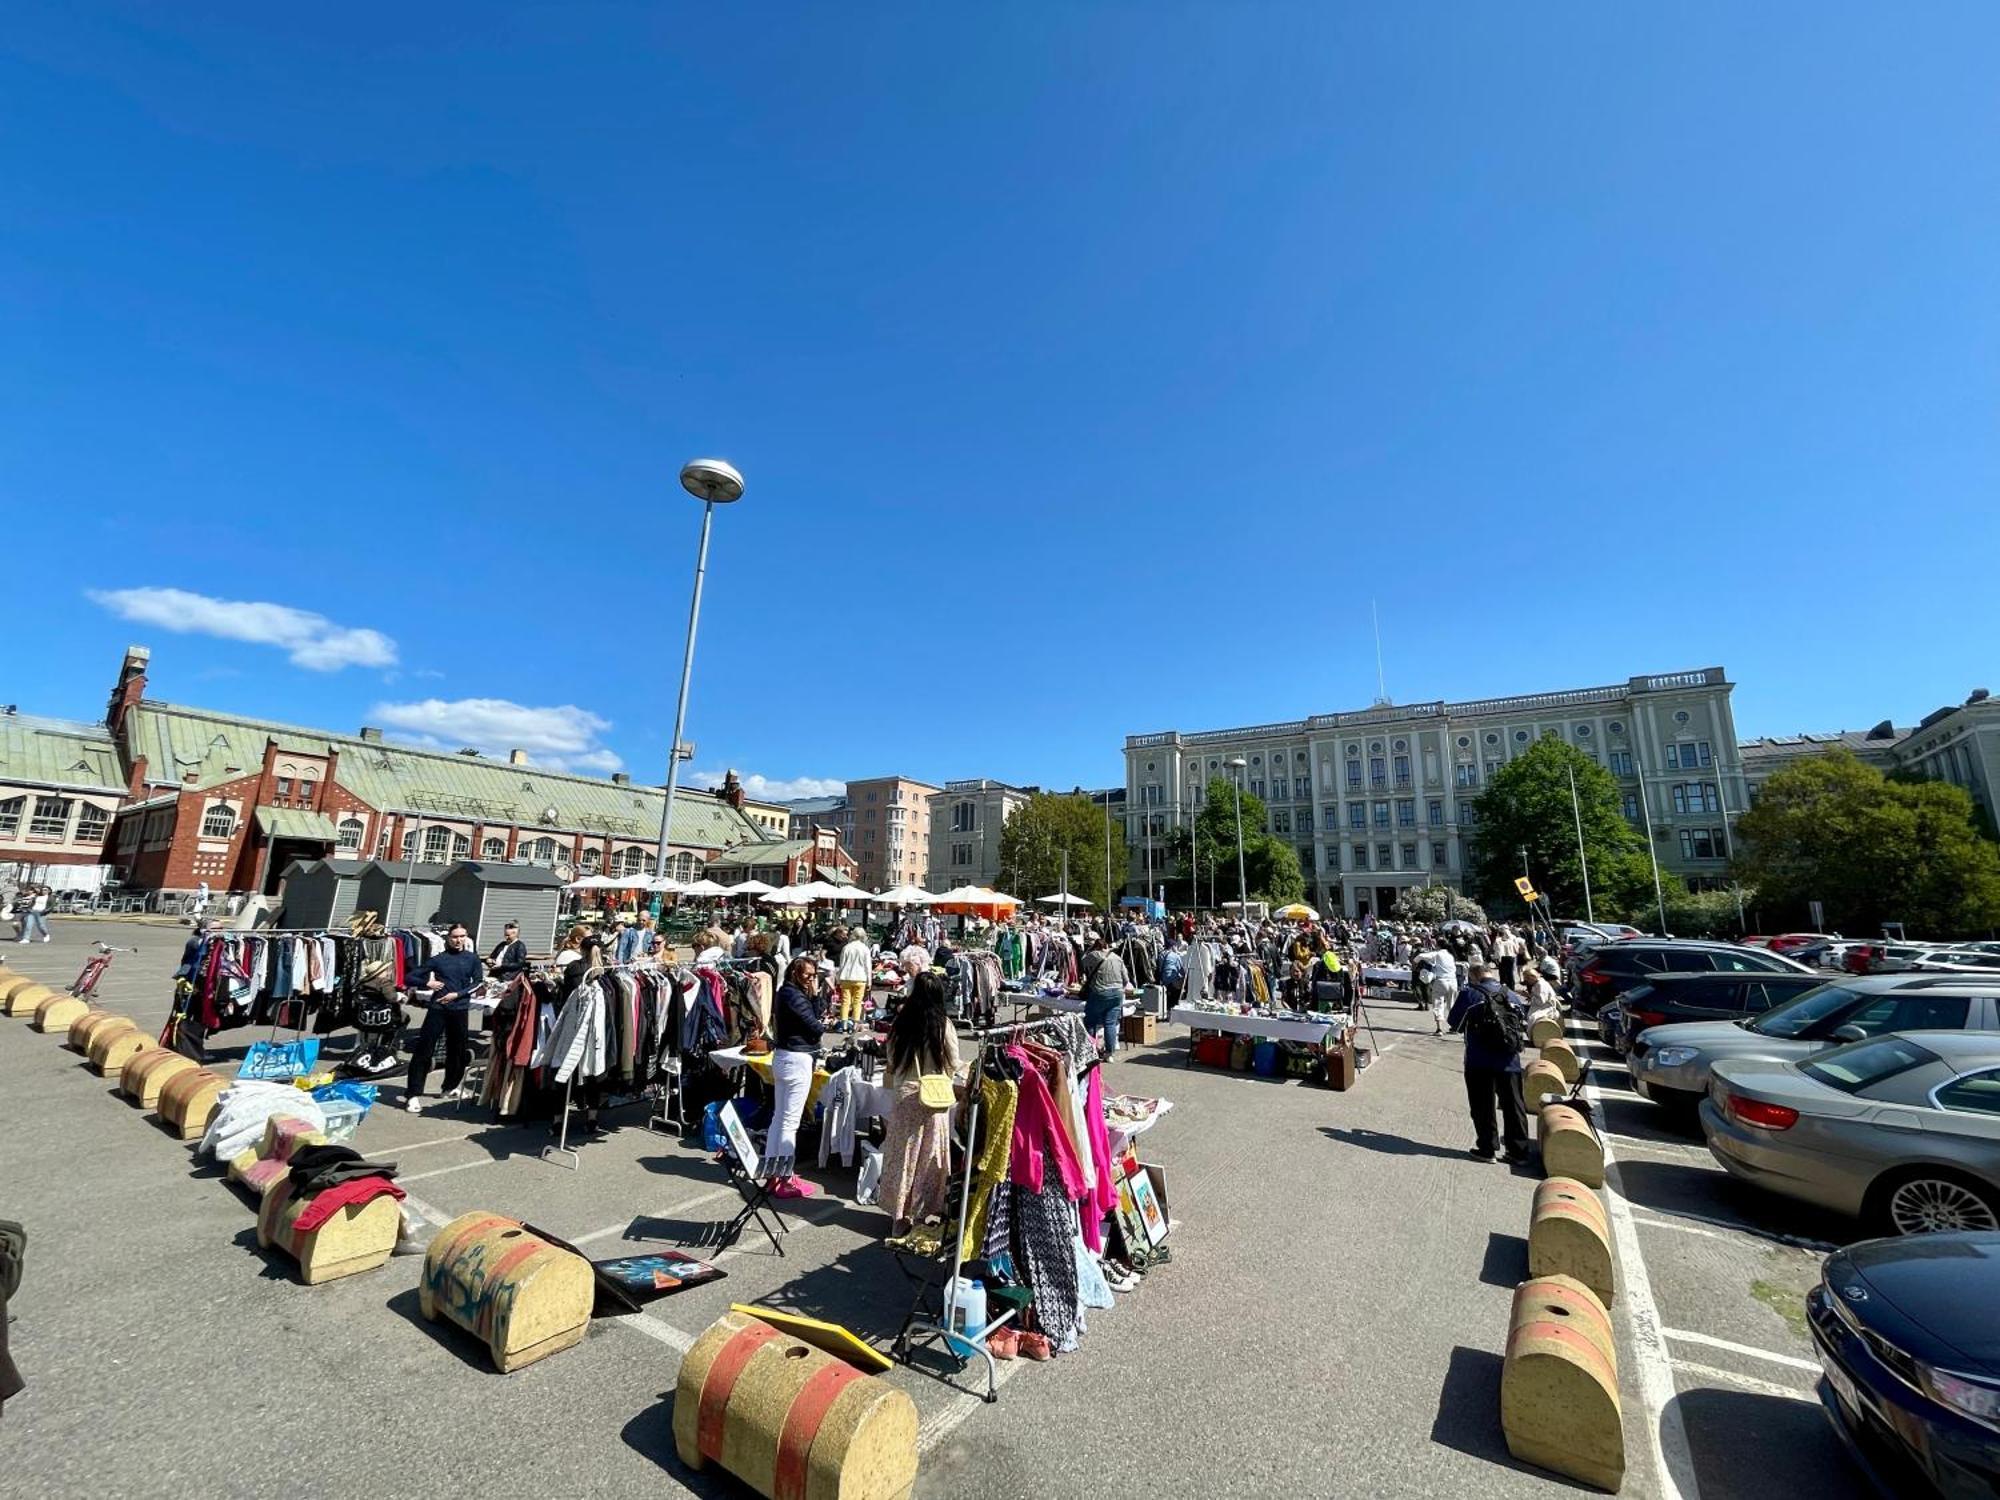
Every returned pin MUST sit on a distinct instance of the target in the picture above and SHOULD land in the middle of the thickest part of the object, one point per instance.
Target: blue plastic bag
(280, 1060)
(362, 1094)
(712, 1138)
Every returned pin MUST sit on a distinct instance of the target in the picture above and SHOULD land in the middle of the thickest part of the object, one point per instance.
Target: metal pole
(687, 671)
(414, 839)
(1576, 811)
(1242, 883)
(1107, 851)
(1728, 842)
(1646, 807)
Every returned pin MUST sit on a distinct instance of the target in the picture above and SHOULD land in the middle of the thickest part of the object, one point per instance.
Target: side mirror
(1849, 1033)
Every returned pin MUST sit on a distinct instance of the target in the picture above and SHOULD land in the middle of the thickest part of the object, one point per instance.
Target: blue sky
(1091, 367)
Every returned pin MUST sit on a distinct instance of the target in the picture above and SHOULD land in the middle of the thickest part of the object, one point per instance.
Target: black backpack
(1495, 1024)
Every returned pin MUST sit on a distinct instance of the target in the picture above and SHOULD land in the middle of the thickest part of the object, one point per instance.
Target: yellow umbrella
(1298, 911)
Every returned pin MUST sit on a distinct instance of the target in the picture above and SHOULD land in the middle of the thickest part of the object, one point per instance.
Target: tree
(1032, 845)
(1871, 850)
(1527, 806)
(1270, 865)
(1437, 903)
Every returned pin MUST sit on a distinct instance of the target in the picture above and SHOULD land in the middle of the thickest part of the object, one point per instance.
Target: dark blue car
(1908, 1336)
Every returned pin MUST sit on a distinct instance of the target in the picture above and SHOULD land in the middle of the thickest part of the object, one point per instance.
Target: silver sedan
(1901, 1130)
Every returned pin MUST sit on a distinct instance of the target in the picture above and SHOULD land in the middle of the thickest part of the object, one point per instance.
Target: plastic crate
(343, 1118)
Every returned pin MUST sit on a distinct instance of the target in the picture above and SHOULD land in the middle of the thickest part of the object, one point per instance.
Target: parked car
(1665, 999)
(1614, 968)
(1885, 958)
(1791, 942)
(1908, 1338)
(1610, 1024)
(1958, 961)
(1670, 1064)
(1901, 1130)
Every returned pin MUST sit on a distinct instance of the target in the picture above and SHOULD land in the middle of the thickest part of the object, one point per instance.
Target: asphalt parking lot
(1331, 1324)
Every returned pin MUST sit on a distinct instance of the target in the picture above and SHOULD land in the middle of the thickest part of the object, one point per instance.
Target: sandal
(1003, 1343)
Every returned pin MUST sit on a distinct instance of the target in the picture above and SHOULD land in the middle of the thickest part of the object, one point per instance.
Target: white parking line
(1751, 1351)
(1707, 1234)
(642, 1322)
(622, 1225)
(443, 1140)
(1715, 1376)
(942, 1423)
(464, 1166)
(1666, 1434)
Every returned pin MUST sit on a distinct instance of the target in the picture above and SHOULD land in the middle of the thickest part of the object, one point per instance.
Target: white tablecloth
(1070, 1003)
(1280, 1031)
(1384, 974)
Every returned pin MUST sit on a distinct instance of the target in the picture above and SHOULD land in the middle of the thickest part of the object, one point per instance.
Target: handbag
(934, 1090)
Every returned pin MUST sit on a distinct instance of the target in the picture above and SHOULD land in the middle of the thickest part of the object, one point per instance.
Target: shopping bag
(285, 1060)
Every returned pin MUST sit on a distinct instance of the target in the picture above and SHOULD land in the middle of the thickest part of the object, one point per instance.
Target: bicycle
(93, 969)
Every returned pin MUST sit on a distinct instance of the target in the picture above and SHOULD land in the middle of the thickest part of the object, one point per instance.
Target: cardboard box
(1142, 1028)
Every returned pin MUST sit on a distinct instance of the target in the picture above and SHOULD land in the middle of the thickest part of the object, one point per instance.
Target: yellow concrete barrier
(1559, 1385)
(503, 1284)
(1569, 1235)
(1570, 1148)
(57, 1012)
(147, 1072)
(189, 1101)
(264, 1163)
(10, 983)
(791, 1422)
(1541, 1083)
(87, 1025)
(357, 1238)
(112, 1047)
(1544, 1031)
(1563, 1055)
(24, 996)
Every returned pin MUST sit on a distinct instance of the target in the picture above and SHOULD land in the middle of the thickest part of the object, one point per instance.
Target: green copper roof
(216, 747)
(295, 823)
(58, 753)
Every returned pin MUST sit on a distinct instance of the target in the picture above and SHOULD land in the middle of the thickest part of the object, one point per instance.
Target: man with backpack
(1495, 1023)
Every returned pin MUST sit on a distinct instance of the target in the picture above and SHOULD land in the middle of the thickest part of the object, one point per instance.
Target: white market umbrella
(791, 895)
(705, 887)
(906, 895)
(1064, 901)
(591, 883)
(630, 883)
(751, 888)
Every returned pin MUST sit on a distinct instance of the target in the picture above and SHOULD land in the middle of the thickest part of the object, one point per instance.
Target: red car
(1791, 942)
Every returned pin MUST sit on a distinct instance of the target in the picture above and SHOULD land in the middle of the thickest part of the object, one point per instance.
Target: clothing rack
(919, 1331)
(562, 1146)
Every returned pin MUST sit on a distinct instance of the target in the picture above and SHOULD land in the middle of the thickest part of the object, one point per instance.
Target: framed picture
(739, 1138)
(1131, 1224)
(640, 1278)
(1146, 1202)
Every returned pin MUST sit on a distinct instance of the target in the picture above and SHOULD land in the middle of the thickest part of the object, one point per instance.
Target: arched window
(592, 858)
(542, 851)
(461, 846)
(493, 849)
(437, 844)
(219, 822)
(348, 833)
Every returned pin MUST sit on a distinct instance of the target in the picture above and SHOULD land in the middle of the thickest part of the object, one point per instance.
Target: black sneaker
(1515, 1158)
(1477, 1154)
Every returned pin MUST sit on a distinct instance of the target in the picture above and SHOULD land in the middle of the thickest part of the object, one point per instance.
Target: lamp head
(713, 480)
(1236, 763)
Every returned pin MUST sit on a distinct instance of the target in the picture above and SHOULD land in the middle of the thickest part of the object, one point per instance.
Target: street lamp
(714, 483)
(1237, 764)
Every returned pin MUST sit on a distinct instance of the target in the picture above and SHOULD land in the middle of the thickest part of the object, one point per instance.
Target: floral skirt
(916, 1158)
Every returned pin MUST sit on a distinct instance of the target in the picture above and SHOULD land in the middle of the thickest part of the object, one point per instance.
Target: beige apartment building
(1959, 743)
(967, 818)
(1381, 799)
(891, 822)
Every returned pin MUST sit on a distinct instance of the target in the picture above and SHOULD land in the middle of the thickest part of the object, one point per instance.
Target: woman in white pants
(795, 1034)
(1442, 987)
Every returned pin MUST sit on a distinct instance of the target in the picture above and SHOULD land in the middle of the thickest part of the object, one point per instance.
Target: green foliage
(1032, 845)
(1437, 903)
(1270, 865)
(1703, 913)
(1870, 849)
(1527, 806)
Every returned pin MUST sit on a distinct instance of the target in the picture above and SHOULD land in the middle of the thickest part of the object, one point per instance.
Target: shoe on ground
(414, 1104)
(1035, 1346)
(1481, 1155)
(794, 1187)
(1003, 1343)
(1515, 1158)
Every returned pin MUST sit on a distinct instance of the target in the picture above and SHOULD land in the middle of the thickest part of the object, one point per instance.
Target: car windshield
(1857, 1065)
(1802, 1012)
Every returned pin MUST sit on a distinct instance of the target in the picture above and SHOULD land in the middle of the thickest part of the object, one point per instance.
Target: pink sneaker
(794, 1187)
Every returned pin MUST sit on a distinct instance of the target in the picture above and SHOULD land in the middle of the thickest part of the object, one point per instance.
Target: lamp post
(1576, 812)
(1238, 764)
(714, 483)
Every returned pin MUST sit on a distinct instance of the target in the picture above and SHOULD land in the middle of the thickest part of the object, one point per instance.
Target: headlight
(1976, 1399)
(1675, 1057)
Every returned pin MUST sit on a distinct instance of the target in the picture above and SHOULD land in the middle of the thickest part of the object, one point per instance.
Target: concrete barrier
(358, 1237)
(502, 1284)
(87, 1025)
(1541, 1083)
(791, 1422)
(189, 1101)
(9, 983)
(1544, 1031)
(1570, 1148)
(1563, 1055)
(147, 1072)
(24, 996)
(57, 1012)
(263, 1164)
(1570, 1235)
(112, 1047)
(1559, 1385)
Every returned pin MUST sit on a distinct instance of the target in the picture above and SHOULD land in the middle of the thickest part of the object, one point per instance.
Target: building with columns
(967, 818)
(1378, 800)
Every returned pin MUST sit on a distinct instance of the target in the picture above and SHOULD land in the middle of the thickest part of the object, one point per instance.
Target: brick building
(790, 862)
(231, 801)
(60, 786)
(891, 829)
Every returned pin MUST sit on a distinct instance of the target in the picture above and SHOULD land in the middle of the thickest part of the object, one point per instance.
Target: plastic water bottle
(965, 1314)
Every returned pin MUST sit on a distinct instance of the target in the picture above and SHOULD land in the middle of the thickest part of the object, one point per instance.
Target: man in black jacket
(444, 986)
(509, 956)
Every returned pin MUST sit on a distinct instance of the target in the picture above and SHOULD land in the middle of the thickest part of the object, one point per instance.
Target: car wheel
(1928, 1200)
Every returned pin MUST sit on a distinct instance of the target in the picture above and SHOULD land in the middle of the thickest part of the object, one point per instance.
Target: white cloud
(764, 789)
(312, 641)
(559, 738)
